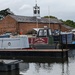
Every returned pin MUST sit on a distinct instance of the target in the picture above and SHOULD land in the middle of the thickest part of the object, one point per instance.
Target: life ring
(9, 43)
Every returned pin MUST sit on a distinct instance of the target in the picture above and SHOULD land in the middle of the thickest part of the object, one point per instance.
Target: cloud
(26, 6)
(60, 8)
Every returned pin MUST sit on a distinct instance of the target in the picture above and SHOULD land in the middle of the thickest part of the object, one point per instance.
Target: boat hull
(14, 42)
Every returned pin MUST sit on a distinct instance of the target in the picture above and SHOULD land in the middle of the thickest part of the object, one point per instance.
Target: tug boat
(43, 39)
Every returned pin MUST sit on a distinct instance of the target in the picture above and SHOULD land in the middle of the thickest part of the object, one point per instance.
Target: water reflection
(46, 66)
(44, 69)
(43, 66)
(52, 67)
(24, 66)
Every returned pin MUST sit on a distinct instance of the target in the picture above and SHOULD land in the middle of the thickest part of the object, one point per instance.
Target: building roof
(34, 19)
(66, 26)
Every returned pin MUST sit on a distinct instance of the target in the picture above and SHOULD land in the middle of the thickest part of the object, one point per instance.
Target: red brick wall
(64, 29)
(25, 27)
(10, 25)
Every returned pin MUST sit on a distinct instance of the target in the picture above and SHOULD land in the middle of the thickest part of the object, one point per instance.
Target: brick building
(23, 24)
(16, 23)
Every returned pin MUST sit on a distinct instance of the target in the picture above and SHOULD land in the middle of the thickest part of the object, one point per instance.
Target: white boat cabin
(14, 42)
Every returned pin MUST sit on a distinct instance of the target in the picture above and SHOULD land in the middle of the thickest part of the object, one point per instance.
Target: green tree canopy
(69, 23)
(50, 17)
(5, 12)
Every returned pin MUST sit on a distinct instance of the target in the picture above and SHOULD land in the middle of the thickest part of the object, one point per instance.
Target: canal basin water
(46, 66)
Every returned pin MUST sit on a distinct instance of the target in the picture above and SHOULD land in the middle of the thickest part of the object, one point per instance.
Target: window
(38, 11)
(35, 11)
(41, 33)
(45, 32)
(49, 31)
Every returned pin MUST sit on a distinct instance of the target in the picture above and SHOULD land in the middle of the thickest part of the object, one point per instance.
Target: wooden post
(66, 41)
(67, 55)
(66, 48)
(60, 41)
(62, 47)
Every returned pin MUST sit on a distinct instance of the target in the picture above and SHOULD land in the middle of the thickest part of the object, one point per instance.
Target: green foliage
(61, 20)
(5, 12)
(32, 32)
(50, 17)
(69, 23)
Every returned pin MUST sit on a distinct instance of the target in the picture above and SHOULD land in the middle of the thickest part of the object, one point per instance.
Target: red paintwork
(40, 40)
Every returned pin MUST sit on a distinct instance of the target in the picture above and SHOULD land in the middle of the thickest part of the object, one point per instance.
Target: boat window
(41, 33)
(45, 32)
(73, 37)
(49, 31)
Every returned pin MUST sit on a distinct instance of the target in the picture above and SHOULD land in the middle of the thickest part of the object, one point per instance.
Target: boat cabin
(45, 32)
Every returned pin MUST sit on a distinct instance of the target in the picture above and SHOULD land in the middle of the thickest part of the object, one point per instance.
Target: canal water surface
(46, 66)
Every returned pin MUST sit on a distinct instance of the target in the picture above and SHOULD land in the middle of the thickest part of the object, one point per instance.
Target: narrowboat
(14, 42)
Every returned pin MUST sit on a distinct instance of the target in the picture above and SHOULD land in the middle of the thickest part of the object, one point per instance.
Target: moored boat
(43, 39)
(14, 42)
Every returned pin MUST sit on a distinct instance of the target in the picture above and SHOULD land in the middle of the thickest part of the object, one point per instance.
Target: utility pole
(49, 15)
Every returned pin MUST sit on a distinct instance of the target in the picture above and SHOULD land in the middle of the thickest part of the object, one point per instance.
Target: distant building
(23, 24)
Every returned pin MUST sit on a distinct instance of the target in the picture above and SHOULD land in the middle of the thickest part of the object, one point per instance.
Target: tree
(5, 12)
(50, 17)
(69, 23)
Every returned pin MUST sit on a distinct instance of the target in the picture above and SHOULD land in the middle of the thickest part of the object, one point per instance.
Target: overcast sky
(62, 9)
